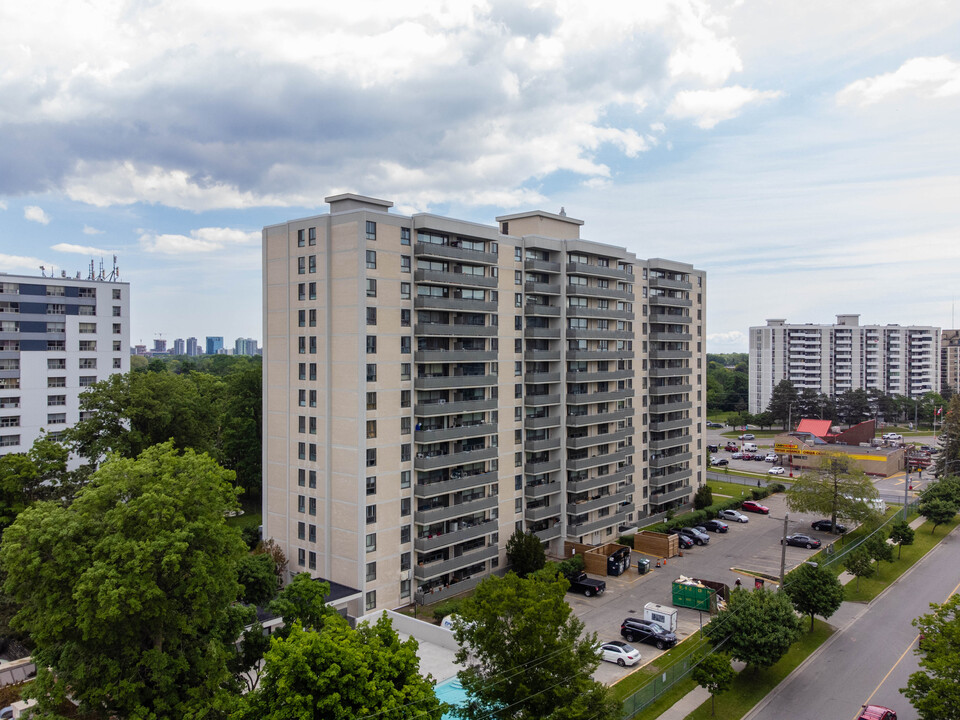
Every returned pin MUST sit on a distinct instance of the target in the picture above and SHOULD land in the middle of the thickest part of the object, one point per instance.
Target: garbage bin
(643, 566)
(758, 583)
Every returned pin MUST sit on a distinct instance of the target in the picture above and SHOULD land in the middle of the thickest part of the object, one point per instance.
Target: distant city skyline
(803, 154)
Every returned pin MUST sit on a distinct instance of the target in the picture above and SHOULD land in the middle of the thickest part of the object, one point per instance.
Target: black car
(647, 631)
(804, 541)
(824, 525)
(716, 526)
(685, 542)
(713, 448)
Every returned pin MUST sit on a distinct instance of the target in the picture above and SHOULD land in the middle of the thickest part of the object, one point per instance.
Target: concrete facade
(432, 384)
(950, 360)
(831, 359)
(57, 337)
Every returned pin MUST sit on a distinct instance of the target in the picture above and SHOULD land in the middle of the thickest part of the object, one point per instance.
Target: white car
(734, 515)
(771, 457)
(892, 436)
(748, 436)
(776, 470)
(619, 652)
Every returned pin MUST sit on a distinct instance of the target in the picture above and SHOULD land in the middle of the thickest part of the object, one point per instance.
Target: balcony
(661, 498)
(599, 354)
(668, 301)
(464, 482)
(670, 389)
(440, 514)
(455, 433)
(538, 288)
(539, 400)
(599, 292)
(662, 461)
(454, 408)
(452, 459)
(611, 520)
(599, 397)
(656, 445)
(599, 313)
(577, 486)
(438, 277)
(429, 302)
(656, 354)
(462, 534)
(664, 425)
(576, 268)
(598, 460)
(666, 407)
(597, 376)
(454, 329)
(439, 594)
(541, 355)
(597, 503)
(670, 371)
(670, 318)
(539, 468)
(595, 418)
(541, 266)
(441, 567)
(670, 337)
(534, 423)
(548, 377)
(531, 492)
(539, 332)
(551, 533)
(454, 356)
(542, 513)
(539, 310)
(578, 334)
(591, 440)
(667, 284)
(454, 253)
(441, 382)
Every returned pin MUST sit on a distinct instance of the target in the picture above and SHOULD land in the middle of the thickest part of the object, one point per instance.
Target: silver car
(733, 515)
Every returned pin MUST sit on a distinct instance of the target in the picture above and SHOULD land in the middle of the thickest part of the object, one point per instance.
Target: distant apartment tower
(214, 345)
(192, 347)
(57, 337)
(950, 361)
(179, 347)
(245, 346)
(433, 384)
(831, 359)
(159, 347)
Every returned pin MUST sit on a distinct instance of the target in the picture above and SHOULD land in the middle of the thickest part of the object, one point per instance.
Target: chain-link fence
(678, 669)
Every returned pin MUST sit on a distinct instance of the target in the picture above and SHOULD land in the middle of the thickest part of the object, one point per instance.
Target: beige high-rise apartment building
(433, 384)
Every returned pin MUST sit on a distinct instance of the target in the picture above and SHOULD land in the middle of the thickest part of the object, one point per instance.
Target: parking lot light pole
(783, 549)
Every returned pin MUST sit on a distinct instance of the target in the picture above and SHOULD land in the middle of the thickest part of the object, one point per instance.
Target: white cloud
(934, 77)
(36, 214)
(87, 230)
(709, 107)
(79, 249)
(202, 240)
(22, 263)
(125, 184)
(3, 205)
(732, 337)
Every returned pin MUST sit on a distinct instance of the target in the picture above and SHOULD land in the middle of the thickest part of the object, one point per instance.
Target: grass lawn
(251, 514)
(634, 681)
(730, 489)
(924, 541)
(751, 687)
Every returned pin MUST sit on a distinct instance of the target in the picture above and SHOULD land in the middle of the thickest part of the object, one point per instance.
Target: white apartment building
(57, 336)
(950, 361)
(432, 384)
(832, 359)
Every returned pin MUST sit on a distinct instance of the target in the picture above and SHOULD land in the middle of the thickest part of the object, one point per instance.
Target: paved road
(871, 657)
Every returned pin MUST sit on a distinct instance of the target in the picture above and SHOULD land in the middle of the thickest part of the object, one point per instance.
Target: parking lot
(753, 547)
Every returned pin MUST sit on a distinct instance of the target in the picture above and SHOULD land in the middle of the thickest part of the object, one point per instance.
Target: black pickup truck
(582, 584)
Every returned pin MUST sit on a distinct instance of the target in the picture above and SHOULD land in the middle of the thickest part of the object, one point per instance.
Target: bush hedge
(448, 607)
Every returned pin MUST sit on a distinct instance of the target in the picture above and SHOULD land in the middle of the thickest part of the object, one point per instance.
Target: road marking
(909, 648)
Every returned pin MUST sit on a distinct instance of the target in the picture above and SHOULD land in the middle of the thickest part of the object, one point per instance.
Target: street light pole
(783, 549)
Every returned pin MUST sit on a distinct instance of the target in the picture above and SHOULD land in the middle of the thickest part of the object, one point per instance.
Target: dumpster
(643, 566)
(692, 594)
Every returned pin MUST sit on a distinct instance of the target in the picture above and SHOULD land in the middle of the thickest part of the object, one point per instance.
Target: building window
(371, 372)
(404, 478)
(313, 479)
(301, 503)
(405, 344)
(301, 265)
(404, 588)
(404, 426)
(371, 287)
(371, 344)
(371, 485)
(371, 230)
(404, 507)
(404, 236)
(312, 236)
(301, 531)
(302, 451)
(312, 560)
(302, 291)
(404, 534)
(517, 277)
(301, 477)
(371, 259)
(371, 457)
(404, 398)
(371, 429)
(313, 451)
(12, 421)
(312, 533)
(54, 400)
(405, 263)
(312, 291)
(88, 363)
(116, 311)
(404, 291)
(88, 346)
(312, 505)
(405, 452)
(312, 268)
(404, 371)
(117, 363)
(405, 561)
(371, 571)
(56, 364)
(371, 401)
(404, 318)
(301, 241)
(371, 316)
(301, 557)
(56, 382)
(371, 542)
(371, 597)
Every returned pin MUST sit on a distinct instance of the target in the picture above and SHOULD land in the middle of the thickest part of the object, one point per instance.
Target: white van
(749, 447)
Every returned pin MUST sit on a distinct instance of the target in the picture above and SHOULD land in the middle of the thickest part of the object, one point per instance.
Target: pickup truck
(582, 584)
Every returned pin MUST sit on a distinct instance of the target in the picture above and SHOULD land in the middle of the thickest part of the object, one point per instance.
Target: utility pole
(906, 485)
(783, 549)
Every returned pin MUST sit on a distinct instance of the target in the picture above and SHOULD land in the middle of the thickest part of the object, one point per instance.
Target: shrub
(571, 566)
(776, 488)
(448, 607)
(703, 497)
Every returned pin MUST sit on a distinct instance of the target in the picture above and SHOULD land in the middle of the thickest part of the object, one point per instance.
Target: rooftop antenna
(115, 273)
(563, 212)
(90, 276)
(43, 271)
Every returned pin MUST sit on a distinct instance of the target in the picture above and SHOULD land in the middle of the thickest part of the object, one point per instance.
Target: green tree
(783, 396)
(243, 426)
(938, 511)
(715, 675)
(836, 488)
(934, 690)
(128, 593)
(703, 498)
(859, 564)
(258, 576)
(814, 590)
(38, 474)
(525, 553)
(338, 672)
(523, 649)
(902, 534)
(758, 627)
(304, 601)
(879, 549)
(947, 488)
(853, 406)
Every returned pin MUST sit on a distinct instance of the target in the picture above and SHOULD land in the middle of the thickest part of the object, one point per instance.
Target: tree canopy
(902, 534)
(783, 396)
(759, 626)
(835, 488)
(814, 590)
(525, 553)
(523, 649)
(715, 675)
(128, 592)
(934, 690)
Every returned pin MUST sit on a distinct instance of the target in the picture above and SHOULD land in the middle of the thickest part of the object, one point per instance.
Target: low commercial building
(804, 450)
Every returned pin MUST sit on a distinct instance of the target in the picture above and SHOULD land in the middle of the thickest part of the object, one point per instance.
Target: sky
(805, 154)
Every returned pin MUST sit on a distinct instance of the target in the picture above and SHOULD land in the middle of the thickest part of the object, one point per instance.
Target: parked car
(876, 712)
(685, 542)
(825, 526)
(748, 436)
(776, 470)
(713, 448)
(731, 447)
(800, 540)
(759, 458)
(892, 436)
(754, 506)
(734, 515)
(736, 456)
(712, 424)
(716, 526)
(588, 586)
(746, 456)
(619, 652)
(771, 457)
(700, 537)
(719, 461)
(647, 631)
